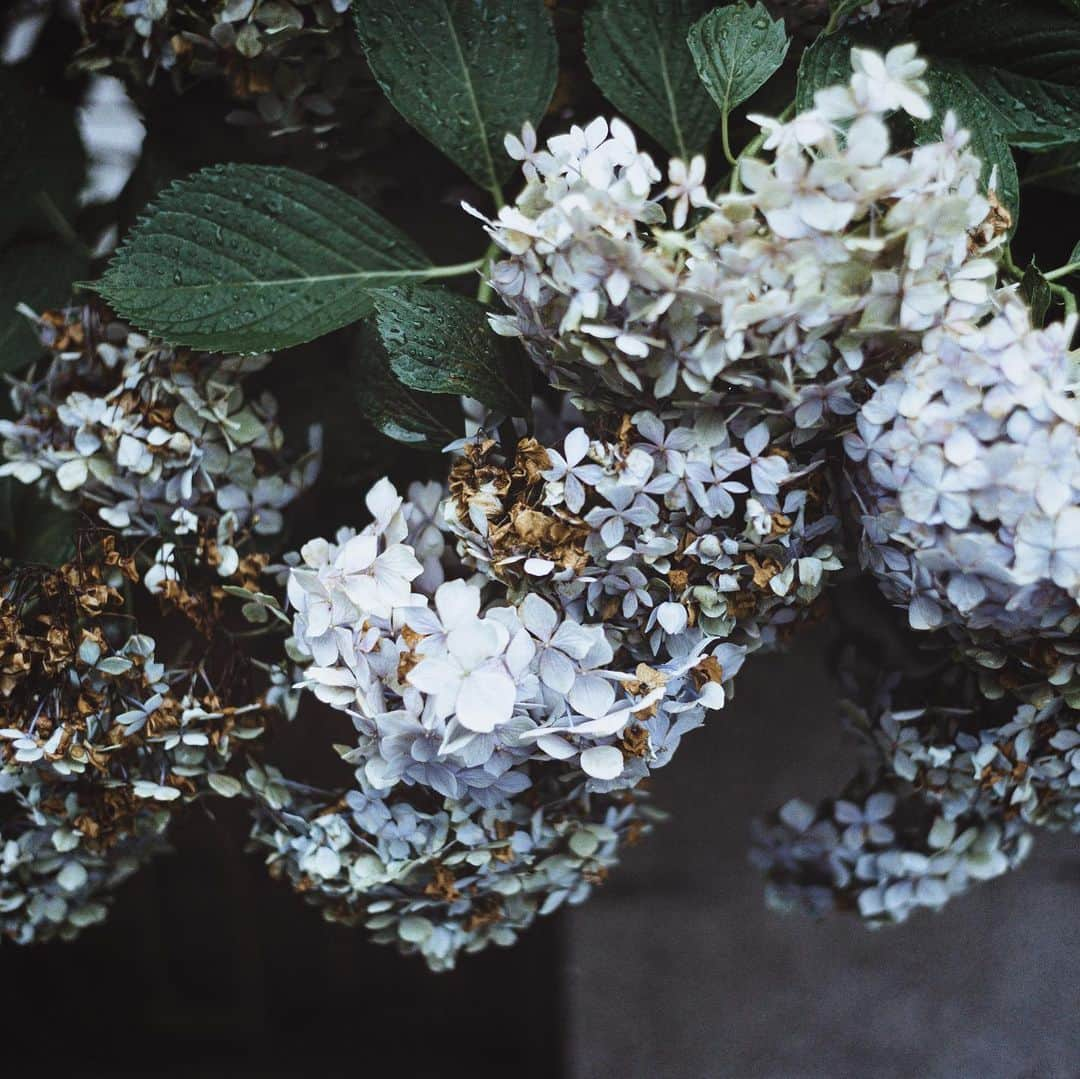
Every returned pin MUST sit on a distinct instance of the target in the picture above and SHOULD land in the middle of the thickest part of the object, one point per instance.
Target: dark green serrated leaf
(1037, 38)
(1030, 113)
(249, 258)
(736, 49)
(39, 275)
(638, 53)
(440, 342)
(463, 72)
(952, 88)
(825, 63)
(422, 420)
(1035, 289)
(42, 156)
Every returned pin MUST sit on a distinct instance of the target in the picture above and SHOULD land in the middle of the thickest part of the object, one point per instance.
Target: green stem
(724, 139)
(1062, 271)
(1066, 297)
(483, 293)
(457, 270)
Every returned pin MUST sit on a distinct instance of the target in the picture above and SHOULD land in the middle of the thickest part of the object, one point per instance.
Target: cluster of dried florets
(966, 757)
(84, 699)
(158, 442)
(440, 877)
(290, 65)
(99, 740)
(966, 469)
(668, 530)
(56, 879)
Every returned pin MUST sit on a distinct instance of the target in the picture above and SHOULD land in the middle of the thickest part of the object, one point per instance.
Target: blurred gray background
(675, 969)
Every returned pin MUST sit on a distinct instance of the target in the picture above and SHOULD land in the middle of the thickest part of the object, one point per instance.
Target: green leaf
(43, 156)
(638, 53)
(1036, 38)
(1075, 256)
(736, 49)
(952, 88)
(249, 258)
(1035, 289)
(423, 420)
(826, 62)
(440, 342)
(40, 275)
(463, 72)
(1030, 113)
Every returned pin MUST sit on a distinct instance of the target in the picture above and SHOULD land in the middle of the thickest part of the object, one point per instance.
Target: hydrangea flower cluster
(99, 743)
(1026, 766)
(776, 299)
(601, 591)
(55, 879)
(880, 851)
(158, 442)
(966, 471)
(83, 704)
(440, 877)
(466, 701)
(953, 792)
(671, 529)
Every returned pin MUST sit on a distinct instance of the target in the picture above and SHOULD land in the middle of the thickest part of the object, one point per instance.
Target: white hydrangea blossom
(838, 250)
(465, 697)
(955, 789)
(967, 471)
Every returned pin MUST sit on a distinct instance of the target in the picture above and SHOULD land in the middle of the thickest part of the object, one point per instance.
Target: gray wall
(674, 968)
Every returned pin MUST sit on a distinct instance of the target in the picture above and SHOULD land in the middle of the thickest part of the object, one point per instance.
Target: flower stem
(1066, 297)
(457, 270)
(1062, 271)
(724, 139)
(483, 293)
